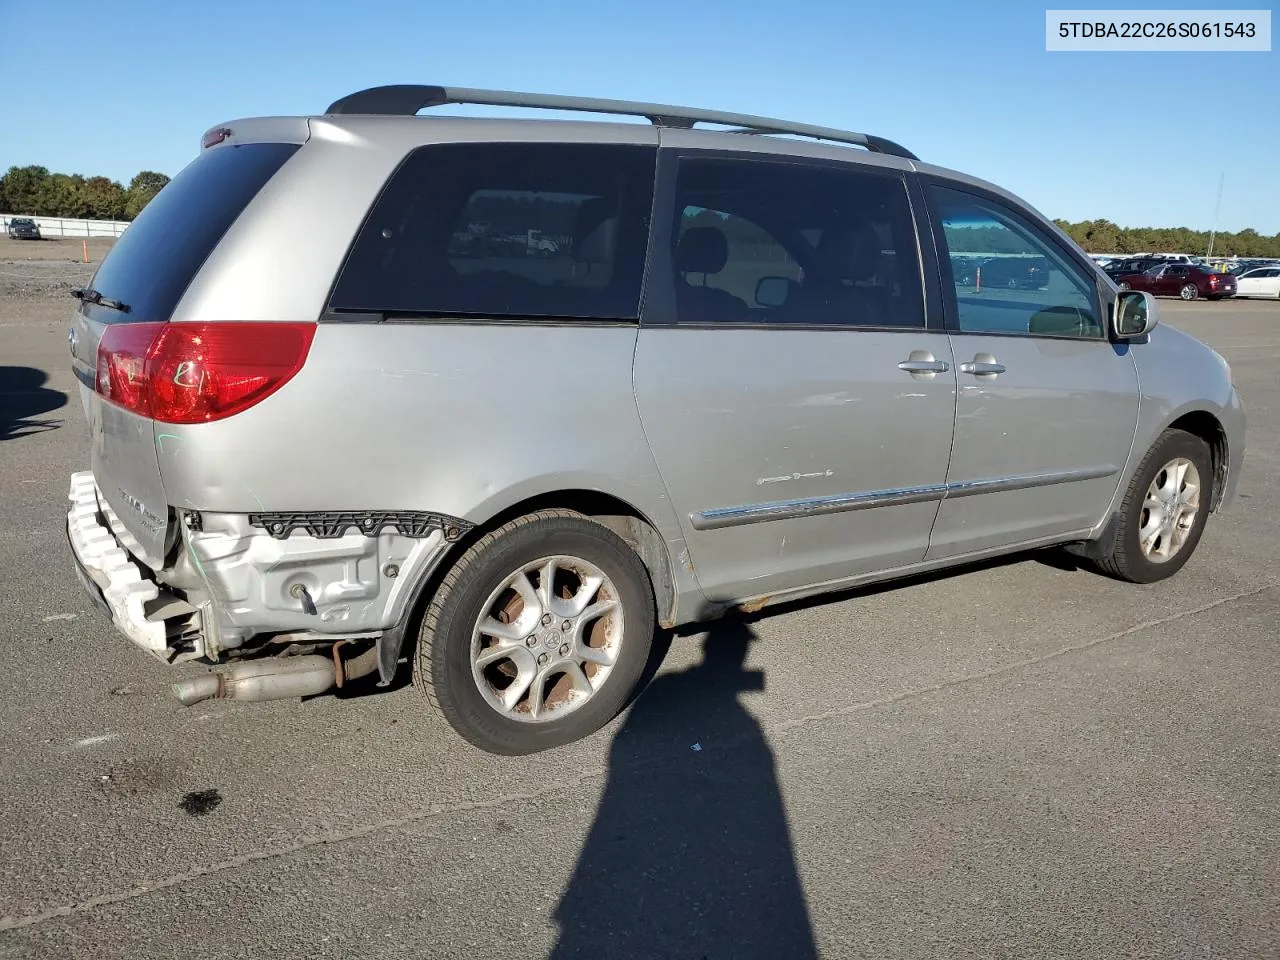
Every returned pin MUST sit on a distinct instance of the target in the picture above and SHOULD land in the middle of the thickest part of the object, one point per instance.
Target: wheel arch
(627, 521)
(672, 584)
(1198, 422)
(1206, 425)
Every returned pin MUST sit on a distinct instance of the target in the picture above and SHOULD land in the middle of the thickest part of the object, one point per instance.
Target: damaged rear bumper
(240, 585)
(118, 584)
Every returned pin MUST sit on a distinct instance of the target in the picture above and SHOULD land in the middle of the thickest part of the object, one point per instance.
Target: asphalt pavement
(1019, 760)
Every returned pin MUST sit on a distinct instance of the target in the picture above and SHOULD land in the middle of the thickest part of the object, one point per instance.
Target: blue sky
(1140, 138)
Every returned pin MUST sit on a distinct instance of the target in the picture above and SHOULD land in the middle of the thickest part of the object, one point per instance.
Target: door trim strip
(845, 502)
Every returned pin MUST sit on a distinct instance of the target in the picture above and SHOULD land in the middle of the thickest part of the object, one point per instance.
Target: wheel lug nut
(542, 660)
(546, 619)
(566, 625)
(530, 641)
(564, 649)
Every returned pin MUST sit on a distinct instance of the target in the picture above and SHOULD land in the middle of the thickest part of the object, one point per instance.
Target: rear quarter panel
(461, 419)
(464, 419)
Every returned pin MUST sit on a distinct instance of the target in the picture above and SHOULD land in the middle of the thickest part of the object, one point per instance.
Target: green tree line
(35, 191)
(1103, 236)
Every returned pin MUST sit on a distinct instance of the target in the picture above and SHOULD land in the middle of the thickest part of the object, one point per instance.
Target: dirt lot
(54, 248)
(42, 271)
(1019, 760)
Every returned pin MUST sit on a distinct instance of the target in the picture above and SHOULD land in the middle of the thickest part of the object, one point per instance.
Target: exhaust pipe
(278, 678)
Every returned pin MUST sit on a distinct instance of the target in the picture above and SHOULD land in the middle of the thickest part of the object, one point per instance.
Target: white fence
(67, 227)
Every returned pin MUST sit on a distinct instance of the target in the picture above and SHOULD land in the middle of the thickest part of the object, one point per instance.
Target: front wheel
(1189, 292)
(538, 635)
(1164, 510)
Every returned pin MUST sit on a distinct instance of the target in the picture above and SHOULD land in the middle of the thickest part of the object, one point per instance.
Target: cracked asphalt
(1017, 760)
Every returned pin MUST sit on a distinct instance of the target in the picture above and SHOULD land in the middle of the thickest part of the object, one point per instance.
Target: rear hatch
(1222, 282)
(128, 303)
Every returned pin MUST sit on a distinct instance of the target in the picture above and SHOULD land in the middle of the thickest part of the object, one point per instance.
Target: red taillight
(197, 372)
(122, 359)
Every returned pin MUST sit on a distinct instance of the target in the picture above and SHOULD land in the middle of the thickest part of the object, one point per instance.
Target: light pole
(1216, 210)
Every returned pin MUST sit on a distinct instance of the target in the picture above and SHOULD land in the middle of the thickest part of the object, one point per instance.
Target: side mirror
(773, 291)
(1134, 315)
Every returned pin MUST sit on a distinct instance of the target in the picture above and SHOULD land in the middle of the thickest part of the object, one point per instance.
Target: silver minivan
(487, 401)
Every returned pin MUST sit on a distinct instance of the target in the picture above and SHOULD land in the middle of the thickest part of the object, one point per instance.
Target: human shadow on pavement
(690, 854)
(23, 398)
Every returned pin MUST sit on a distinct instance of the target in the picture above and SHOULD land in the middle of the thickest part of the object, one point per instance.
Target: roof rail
(407, 99)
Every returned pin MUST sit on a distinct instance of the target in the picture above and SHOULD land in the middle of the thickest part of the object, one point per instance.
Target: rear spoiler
(256, 130)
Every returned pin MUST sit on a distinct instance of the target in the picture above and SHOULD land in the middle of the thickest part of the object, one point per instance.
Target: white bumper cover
(119, 578)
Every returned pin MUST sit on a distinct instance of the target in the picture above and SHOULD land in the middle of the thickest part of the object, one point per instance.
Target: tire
(1189, 292)
(1128, 560)
(473, 589)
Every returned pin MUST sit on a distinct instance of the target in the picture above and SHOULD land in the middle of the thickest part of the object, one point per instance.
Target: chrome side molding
(843, 502)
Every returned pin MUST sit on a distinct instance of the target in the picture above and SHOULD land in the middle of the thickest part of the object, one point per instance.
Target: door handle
(923, 365)
(983, 365)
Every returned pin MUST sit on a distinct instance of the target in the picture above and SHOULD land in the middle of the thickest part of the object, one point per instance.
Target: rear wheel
(538, 635)
(1164, 510)
(1189, 292)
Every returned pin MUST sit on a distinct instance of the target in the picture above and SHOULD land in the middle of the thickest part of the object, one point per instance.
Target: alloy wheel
(547, 639)
(1169, 510)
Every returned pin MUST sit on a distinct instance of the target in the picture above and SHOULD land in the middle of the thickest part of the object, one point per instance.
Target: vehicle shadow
(23, 399)
(1052, 557)
(663, 639)
(690, 853)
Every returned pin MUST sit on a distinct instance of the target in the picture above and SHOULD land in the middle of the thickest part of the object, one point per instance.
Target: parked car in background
(1259, 282)
(1244, 266)
(23, 228)
(1180, 280)
(1118, 268)
(1016, 273)
(376, 455)
(1173, 257)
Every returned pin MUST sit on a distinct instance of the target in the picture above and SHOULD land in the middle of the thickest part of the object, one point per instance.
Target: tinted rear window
(506, 230)
(155, 259)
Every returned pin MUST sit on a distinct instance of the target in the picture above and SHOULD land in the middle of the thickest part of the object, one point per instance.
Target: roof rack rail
(408, 99)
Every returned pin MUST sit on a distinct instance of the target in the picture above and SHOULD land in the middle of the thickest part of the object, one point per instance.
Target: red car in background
(1185, 280)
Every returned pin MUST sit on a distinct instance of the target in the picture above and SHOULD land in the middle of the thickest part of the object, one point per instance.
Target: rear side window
(159, 254)
(761, 241)
(506, 230)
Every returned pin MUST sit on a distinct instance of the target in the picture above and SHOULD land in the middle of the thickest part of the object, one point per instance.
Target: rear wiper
(89, 295)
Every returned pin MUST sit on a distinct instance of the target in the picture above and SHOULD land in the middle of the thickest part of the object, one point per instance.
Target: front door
(797, 403)
(1047, 405)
